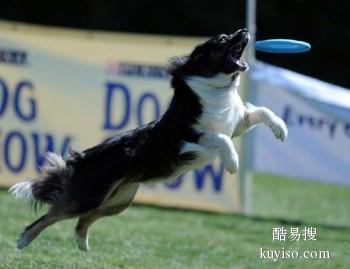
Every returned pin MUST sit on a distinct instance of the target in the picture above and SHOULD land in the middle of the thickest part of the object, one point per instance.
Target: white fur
(224, 116)
(255, 115)
(222, 112)
(222, 106)
(83, 242)
(23, 190)
(222, 146)
(54, 162)
(204, 155)
(124, 195)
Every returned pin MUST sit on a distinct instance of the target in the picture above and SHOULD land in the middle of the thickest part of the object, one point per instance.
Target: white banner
(318, 118)
(65, 88)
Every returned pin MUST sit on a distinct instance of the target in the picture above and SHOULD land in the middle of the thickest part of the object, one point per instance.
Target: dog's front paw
(231, 163)
(279, 128)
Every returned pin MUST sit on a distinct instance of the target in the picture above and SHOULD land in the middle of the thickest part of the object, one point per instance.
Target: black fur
(139, 155)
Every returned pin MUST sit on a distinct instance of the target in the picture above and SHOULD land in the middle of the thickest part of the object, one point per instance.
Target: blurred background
(324, 24)
(105, 62)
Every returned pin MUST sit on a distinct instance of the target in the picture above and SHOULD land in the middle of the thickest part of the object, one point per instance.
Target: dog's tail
(49, 187)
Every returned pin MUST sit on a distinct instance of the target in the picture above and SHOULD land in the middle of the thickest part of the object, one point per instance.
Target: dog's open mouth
(239, 41)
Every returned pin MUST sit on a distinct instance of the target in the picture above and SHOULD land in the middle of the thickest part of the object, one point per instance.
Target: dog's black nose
(240, 34)
(243, 32)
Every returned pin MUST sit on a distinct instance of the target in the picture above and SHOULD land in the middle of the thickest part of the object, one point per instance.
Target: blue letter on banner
(140, 104)
(215, 176)
(111, 88)
(4, 96)
(18, 90)
(8, 151)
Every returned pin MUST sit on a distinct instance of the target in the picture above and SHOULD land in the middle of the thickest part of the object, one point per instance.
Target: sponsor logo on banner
(315, 123)
(11, 56)
(138, 70)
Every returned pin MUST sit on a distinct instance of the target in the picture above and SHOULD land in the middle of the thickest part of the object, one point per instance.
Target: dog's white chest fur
(221, 104)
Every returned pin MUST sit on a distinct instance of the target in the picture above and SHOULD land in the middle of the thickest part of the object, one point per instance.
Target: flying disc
(282, 46)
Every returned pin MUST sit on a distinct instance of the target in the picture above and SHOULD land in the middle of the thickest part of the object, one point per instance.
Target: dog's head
(219, 54)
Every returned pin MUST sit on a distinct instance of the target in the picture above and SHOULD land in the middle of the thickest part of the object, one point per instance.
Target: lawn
(299, 200)
(149, 237)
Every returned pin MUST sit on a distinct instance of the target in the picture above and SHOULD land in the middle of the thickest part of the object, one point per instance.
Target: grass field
(149, 237)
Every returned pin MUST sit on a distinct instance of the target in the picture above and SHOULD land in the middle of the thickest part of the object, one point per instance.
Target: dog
(205, 113)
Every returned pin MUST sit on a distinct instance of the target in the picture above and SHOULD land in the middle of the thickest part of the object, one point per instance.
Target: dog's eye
(222, 39)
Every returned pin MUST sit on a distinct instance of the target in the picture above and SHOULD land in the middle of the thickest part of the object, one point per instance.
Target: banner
(67, 88)
(318, 118)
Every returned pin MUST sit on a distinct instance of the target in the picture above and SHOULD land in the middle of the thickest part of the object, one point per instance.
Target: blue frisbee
(282, 46)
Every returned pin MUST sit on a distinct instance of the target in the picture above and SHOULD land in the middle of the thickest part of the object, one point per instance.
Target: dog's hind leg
(81, 230)
(122, 200)
(117, 202)
(34, 229)
(84, 223)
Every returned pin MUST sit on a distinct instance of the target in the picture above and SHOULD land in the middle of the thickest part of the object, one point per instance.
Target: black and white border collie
(205, 113)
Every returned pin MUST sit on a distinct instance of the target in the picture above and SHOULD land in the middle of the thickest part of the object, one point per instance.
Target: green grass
(149, 237)
(307, 201)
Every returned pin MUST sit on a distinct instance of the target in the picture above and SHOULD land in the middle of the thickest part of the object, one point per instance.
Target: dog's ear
(176, 64)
